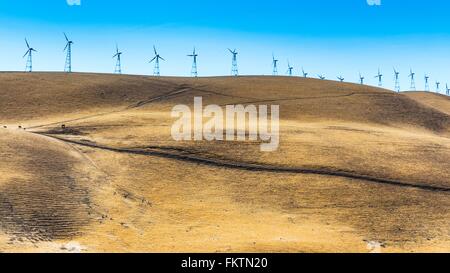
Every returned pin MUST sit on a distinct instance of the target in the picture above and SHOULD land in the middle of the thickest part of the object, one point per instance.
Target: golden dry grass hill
(359, 169)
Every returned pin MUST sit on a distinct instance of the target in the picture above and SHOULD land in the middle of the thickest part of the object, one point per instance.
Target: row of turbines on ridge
(234, 67)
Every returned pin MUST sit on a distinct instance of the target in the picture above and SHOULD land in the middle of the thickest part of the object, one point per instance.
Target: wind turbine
(447, 91)
(118, 55)
(322, 77)
(361, 78)
(68, 48)
(413, 81)
(234, 65)
(290, 69)
(341, 79)
(380, 78)
(29, 53)
(305, 75)
(194, 56)
(275, 66)
(427, 84)
(156, 59)
(437, 87)
(397, 80)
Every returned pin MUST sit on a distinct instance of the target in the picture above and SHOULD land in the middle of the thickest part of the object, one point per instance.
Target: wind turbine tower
(234, 64)
(290, 69)
(29, 53)
(275, 65)
(447, 91)
(194, 71)
(413, 81)
(380, 78)
(427, 83)
(68, 48)
(397, 80)
(305, 75)
(156, 71)
(118, 69)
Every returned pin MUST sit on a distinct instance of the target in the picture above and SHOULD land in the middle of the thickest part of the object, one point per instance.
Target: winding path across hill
(255, 167)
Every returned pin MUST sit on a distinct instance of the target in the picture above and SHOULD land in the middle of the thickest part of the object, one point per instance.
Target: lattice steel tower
(275, 66)
(68, 48)
(29, 54)
(194, 71)
(290, 69)
(118, 55)
(234, 64)
(427, 83)
(413, 81)
(380, 78)
(305, 75)
(156, 71)
(397, 80)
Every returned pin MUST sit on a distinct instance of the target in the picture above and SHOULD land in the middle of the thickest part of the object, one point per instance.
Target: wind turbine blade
(28, 45)
(66, 47)
(154, 49)
(162, 58)
(26, 53)
(152, 59)
(67, 39)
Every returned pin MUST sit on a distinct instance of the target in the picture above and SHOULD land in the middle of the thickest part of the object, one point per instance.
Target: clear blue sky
(324, 36)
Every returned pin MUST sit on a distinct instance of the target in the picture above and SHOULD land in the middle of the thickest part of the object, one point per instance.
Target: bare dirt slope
(358, 169)
(433, 100)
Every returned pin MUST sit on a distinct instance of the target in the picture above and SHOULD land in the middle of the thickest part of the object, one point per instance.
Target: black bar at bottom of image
(218, 262)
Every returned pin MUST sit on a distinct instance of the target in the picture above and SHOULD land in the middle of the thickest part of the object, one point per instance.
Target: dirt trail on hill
(168, 95)
(255, 167)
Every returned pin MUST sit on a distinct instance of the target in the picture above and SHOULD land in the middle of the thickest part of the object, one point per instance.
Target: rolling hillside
(358, 169)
